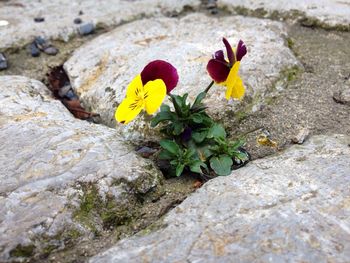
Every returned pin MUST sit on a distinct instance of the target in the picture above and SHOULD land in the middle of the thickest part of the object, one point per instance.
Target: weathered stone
(301, 136)
(342, 95)
(51, 51)
(51, 165)
(86, 29)
(58, 23)
(101, 70)
(328, 12)
(293, 207)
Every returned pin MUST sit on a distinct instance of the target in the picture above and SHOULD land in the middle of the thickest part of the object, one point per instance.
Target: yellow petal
(135, 88)
(228, 92)
(154, 94)
(128, 110)
(238, 89)
(234, 84)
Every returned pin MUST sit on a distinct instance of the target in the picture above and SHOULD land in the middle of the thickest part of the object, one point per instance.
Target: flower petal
(238, 89)
(230, 53)
(217, 70)
(219, 55)
(241, 50)
(234, 84)
(134, 88)
(163, 70)
(154, 95)
(128, 110)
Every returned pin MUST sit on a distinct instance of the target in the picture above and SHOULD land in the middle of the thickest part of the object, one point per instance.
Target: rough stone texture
(293, 207)
(46, 157)
(59, 16)
(101, 70)
(329, 12)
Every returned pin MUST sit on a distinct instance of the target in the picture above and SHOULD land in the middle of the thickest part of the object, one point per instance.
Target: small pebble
(52, 51)
(39, 19)
(146, 152)
(81, 12)
(301, 136)
(71, 95)
(41, 43)
(77, 20)
(34, 50)
(342, 96)
(86, 29)
(3, 62)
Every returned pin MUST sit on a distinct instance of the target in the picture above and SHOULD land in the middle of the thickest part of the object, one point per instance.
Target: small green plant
(195, 142)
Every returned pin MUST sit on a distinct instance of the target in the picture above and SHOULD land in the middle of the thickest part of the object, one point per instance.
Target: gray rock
(101, 70)
(343, 95)
(39, 19)
(34, 50)
(293, 207)
(328, 12)
(52, 51)
(59, 24)
(48, 161)
(86, 29)
(77, 20)
(3, 62)
(301, 136)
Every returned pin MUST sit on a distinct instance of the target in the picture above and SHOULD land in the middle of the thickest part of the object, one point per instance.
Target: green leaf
(199, 136)
(221, 164)
(241, 155)
(162, 116)
(179, 169)
(164, 108)
(178, 127)
(236, 144)
(196, 166)
(170, 146)
(204, 152)
(197, 118)
(216, 131)
(166, 155)
(198, 100)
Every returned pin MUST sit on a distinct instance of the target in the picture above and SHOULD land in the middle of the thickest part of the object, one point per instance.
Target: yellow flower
(140, 97)
(147, 90)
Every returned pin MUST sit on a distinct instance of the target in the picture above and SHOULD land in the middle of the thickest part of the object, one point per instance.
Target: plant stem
(209, 86)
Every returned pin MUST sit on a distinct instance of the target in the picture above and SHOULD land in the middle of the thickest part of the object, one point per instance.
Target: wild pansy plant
(195, 142)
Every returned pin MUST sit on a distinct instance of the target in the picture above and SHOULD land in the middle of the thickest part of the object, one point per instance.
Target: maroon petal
(159, 69)
(217, 70)
(241, 50)
(230, 54)
(219, 55)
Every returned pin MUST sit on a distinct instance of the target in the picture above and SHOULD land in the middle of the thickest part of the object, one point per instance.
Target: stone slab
(101, 69)
(59, 16)
(329, 12)
(46, 157)
(292, 207)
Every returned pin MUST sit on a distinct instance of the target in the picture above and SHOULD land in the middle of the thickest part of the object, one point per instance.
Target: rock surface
(101, 70)
(329, 12)
(293, 207)
(58, 19)
(48, 162)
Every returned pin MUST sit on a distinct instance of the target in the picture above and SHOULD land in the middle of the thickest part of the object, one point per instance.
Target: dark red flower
(218, 67)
